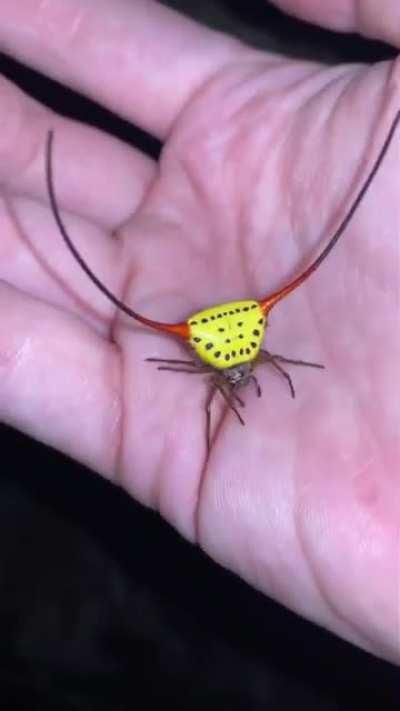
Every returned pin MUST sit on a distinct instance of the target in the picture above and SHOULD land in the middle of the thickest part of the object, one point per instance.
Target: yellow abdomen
(228, 334)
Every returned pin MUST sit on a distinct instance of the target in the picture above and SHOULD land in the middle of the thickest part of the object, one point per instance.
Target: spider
(226, 338)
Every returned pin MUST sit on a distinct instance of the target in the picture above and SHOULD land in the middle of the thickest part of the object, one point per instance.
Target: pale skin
(261, 157)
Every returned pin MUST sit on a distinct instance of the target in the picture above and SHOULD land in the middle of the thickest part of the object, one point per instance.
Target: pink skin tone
(262, 156)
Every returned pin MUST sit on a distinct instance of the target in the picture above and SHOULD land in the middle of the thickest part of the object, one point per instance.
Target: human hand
(261, 157)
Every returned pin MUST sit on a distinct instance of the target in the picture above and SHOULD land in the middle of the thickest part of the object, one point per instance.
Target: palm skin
(257, 170)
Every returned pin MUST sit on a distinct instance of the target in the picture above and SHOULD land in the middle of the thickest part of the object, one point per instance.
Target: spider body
(228, 334)
(239, 375)
(226, 338)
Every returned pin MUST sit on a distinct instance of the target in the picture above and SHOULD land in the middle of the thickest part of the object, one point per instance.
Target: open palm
(261, 158)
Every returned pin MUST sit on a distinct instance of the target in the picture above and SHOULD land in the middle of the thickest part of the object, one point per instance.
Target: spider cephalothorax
(226, 338)
(239, 375)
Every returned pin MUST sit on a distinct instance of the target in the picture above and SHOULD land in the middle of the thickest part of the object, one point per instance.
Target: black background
(103, 604)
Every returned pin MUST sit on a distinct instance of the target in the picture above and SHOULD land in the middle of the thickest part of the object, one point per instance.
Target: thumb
(380, 20)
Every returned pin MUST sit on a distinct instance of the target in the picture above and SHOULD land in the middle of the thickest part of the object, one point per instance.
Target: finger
(97, 176)
(380, 20)
(138, 58)
(34, 259)
(59, 381)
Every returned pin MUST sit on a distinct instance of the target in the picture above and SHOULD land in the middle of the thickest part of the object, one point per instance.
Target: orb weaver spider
(226, 338)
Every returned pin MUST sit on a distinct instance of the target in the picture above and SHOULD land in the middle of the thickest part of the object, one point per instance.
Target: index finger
(377, 20)
(140, 59)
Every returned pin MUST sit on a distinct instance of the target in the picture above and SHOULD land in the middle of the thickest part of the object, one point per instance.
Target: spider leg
(217, 386)
(291, 361)
(238, 399)
(173, 360)
(192, 371)
(189, 366)
(229, 397)
(267, 357)
(256, 385)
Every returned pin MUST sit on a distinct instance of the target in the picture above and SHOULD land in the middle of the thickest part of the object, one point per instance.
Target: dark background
(101, 603)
